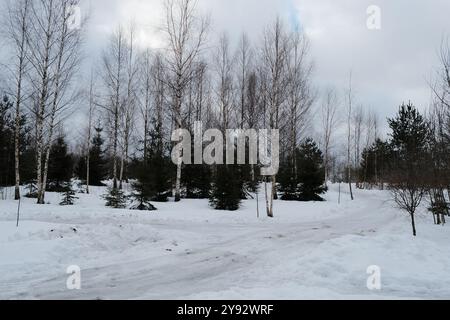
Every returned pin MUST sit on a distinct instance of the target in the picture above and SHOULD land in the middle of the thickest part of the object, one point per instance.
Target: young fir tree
(97, 161)
(288, 180)
(60, 167)
(116, 198)
(196, 180)
(311, 172)
(68, 194)
(153, 172)
(303, 180)
(144, 190)
(227, 188)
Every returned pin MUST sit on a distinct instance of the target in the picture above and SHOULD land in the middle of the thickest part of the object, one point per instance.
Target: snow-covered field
(188, 251)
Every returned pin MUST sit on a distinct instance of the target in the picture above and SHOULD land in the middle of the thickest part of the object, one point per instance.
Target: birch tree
(300, 97)
(89, 135)
(113, 63)
(68, 59)
(245, 55)
(129, 105)
(54, 58)
(274, 65)
(17, 29)
(186, 35)
(224, 87)
(329, 118)
(146, 96)
(358, 121)
(349, 135)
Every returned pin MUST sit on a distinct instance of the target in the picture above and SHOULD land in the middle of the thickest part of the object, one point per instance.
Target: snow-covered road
(187, 250)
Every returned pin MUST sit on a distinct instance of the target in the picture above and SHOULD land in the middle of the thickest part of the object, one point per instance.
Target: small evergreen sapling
(68, 195)
(142, 195)
(227, 189)
(115, 198)
(60, 166)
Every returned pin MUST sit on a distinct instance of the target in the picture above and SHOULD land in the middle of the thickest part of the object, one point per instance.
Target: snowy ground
(188, 251)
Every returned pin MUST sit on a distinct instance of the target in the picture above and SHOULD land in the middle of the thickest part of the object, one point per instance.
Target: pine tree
(311, 172)
(153, 173)
(60, 165)
(197, 181)
(68, 194)
(115, 198)
(288, 180)
(226, 192)
(410, 135)
(144, 190)
(304, 179)
(410, 141)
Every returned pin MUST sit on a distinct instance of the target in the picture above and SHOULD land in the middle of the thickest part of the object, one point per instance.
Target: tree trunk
(46, 161)
(116, 132)
(54, 107)
(413, 223)
(121, 172)
(350, 183)
(180, 159)
(272, 197)
(21, 68)
(88, 156)
(178, 181)
(88, 161)
(17, 145)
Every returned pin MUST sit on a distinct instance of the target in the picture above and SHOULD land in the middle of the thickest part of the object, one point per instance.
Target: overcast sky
(389, 66)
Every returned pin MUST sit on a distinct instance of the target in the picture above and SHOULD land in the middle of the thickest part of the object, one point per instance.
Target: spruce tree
(60, 167)
(304, 179)
(288, 180)
(154, 172)
(115, 198)
(311, 172)
(68, 194)
(144, 190)
(226, 191)
(197, 181)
